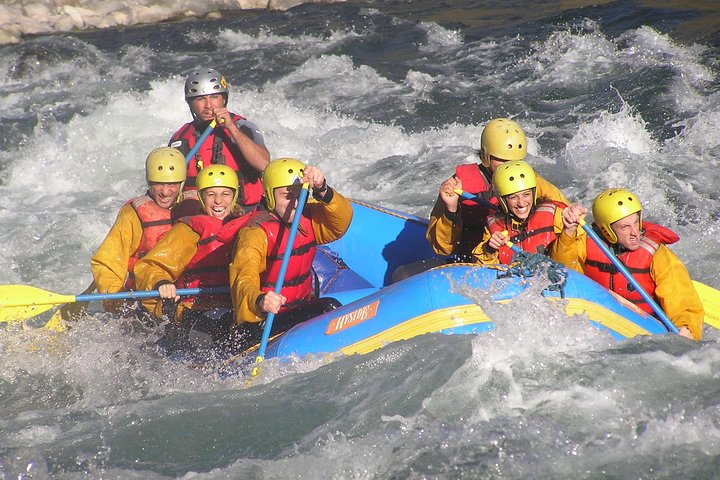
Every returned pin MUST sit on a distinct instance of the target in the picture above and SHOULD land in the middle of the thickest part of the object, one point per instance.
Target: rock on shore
(29, 17)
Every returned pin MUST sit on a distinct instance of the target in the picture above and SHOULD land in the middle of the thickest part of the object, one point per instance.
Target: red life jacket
(297, 287)
(534, 235)
(156, 222)
(600, 268)
(209, 266)
(474, 215)
(218, 149)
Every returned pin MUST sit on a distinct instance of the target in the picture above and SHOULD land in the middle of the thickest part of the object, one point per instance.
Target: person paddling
(258, 252)
(457, 225)
(140, 224)
(642, 247)
(527, 221)
(235, 141)
(191, 255)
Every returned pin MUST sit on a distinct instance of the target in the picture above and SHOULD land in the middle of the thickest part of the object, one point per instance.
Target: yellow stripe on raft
(603, 316)
(472, 314)
(427, 323)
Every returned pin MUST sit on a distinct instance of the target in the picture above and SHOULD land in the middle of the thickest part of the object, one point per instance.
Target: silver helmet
(205, 81)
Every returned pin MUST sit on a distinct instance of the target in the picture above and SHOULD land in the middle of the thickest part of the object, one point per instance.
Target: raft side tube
(585, 296)
(420, 304)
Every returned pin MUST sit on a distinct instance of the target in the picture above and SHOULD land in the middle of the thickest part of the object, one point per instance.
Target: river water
(386, 97)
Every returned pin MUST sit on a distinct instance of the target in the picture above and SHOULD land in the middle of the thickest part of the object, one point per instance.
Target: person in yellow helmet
(192, 255)
(140, 224)
(259, 248)
(642, 247)
(529, 222)
(235, 141)
(457, 225)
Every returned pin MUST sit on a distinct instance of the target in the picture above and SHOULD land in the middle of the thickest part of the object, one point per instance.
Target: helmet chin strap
(484, 158)
(196, 120)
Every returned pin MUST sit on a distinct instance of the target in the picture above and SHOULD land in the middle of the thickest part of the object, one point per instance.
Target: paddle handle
(200, 141)
(476, 199)
(510, 244)
(150, 294)
(513, 247)
(626, 273)
(281, 276)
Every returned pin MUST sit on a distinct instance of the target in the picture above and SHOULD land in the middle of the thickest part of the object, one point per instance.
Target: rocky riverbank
(19, 18)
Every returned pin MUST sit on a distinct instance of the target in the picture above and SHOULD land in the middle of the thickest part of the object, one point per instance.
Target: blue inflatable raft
(357, 270)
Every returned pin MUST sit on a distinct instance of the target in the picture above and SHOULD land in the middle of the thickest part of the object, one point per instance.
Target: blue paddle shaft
(149, 294)
(200, 142)
(478, 200)
(626, 273)
(283, 268)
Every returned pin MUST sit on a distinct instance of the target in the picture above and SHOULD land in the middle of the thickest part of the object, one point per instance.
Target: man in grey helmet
(235, 141)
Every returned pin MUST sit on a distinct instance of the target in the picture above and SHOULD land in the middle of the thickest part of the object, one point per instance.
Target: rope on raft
(526, 264)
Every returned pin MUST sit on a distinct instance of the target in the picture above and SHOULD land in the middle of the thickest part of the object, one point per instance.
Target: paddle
(200, 141)
(626, 273)
(19, 302)
(68, 311)
(75, 309)
(710, 298)
(510, 244)
(281, 277)
(476, 199)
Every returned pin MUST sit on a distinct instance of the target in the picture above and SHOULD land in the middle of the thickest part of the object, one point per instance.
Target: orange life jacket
(534, 235)
(474, 215)
(600, 268)
(297, 286)
(156, 222)
(221, 149)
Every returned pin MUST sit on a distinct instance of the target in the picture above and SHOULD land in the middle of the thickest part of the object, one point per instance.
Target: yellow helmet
(281, 172)
(217, 176)
(504, 139)
(612, 205)
(513, 177)
(165, 165)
